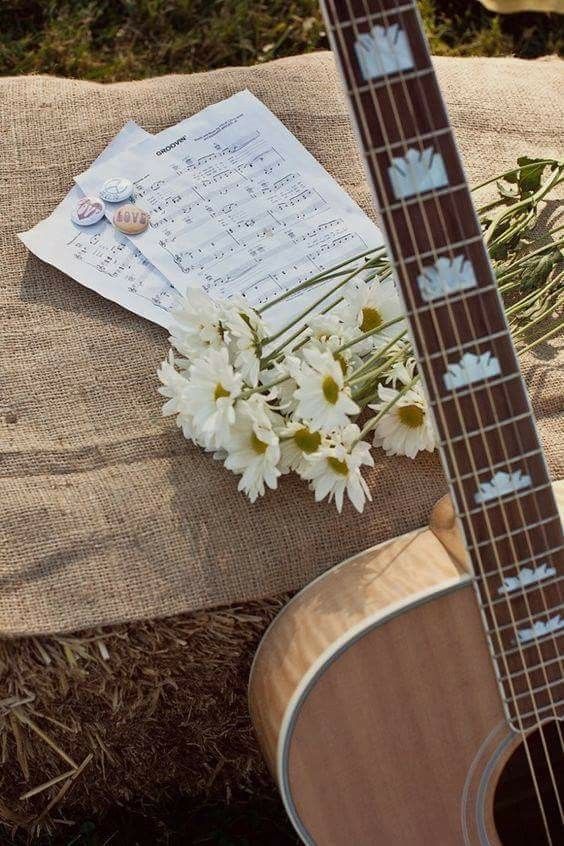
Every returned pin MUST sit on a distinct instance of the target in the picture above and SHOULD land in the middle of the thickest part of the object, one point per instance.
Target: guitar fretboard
(489, 443)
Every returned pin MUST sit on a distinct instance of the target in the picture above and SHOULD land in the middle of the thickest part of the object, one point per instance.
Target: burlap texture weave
(106, 513)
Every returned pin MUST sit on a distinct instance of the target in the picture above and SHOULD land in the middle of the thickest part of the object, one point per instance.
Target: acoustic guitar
(413, 695)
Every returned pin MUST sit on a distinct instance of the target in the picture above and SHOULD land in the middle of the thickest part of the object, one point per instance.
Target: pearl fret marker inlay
(383, 51)
(471, 368)
(416, 172)
(502, 484)
(527, 576)
(541, 628)
(446, 276)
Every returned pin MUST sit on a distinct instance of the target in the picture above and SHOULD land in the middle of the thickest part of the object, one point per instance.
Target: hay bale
(152, 710)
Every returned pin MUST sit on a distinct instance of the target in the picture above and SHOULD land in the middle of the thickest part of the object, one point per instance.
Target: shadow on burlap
(108, 515)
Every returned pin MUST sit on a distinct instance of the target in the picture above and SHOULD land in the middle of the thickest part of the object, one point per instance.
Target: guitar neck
(489, 443)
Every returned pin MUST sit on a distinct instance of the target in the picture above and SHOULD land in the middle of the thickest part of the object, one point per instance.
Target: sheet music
(99, 256)
(237, 204)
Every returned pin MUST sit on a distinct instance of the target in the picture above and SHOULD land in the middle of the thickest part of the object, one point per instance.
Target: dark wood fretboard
(489, 443)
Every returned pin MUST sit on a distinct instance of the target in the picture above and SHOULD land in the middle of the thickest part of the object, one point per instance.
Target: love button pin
(116, 189)
(87, 211)
(131, 219)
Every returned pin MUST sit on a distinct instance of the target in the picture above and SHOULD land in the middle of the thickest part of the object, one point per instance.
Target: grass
(111, 40)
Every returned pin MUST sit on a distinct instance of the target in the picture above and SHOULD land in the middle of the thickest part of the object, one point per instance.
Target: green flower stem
(301, 316)
(535, 295)
(318, 278)
(546, 248)
(360, 396)
(554, 331)
(513, 171)
(518, 331)
(370, 333)
(371, 424)
(526, 202)
(358, 373)
(261, 389)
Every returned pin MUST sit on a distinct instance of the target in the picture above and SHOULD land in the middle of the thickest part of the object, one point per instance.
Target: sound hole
(517, 814)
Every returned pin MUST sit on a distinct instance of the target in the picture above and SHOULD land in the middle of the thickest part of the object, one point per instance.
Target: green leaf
(529, 180)
(537, 269)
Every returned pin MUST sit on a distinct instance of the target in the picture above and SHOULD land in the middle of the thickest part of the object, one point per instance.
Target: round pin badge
(87, 211)
(131, 219)
(116, 189)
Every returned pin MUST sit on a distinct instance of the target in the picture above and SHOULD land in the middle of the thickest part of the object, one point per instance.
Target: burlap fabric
(107, 513)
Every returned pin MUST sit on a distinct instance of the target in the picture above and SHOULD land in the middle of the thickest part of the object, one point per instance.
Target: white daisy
(406, 428)
(281, 384)
(368, 305)
(210, 396)
(334, 469)
(323, 399)
(402, 371)
(197, 324)
(297, 443)
(330, 325)
(247, 330)
(174, 386)
(253, 447)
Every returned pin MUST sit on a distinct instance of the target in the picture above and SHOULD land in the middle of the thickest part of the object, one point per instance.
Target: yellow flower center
(371, 319)
(339, 467)
(259, 446)
(307, 441)
(411, 416)
(341, 362)
(330, 390)
(220, 392)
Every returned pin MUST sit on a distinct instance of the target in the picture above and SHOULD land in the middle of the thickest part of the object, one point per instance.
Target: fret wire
(397, 10)
(525, 590)
(539, 641)
(517, 531)
(435, 195)
(451, 246)
(480, 303)
(405, 205)
(531, 669)
(504, 463)
(424, 136)
(431, 194)
(481, 306)
(536, 711)
(385, 83)
(491, 384)
(484, 339)
(533, 692)
(467, 435)
(531, 559)
(453, 299)
(530, 619)
(485, 506)
(408, 222)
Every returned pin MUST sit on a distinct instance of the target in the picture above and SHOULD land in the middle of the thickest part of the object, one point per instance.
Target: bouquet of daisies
(316, 395)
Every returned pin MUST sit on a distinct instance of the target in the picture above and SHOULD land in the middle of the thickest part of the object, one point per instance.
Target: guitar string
(508, 601)
(383, 193)
(522, 593)
(478, 412)
(485, 318)
(414, 243)
(515, 427)
(455, 326)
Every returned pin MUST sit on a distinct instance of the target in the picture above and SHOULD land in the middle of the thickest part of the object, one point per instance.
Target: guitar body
(359, 695)
(407, 698)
